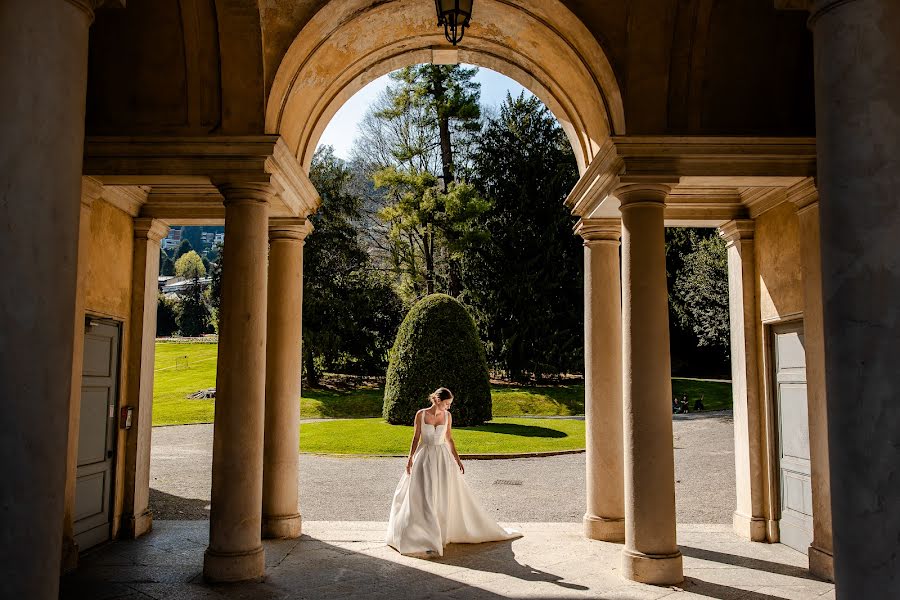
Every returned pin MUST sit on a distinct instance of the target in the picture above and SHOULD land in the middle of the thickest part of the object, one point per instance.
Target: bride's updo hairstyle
(440, 395)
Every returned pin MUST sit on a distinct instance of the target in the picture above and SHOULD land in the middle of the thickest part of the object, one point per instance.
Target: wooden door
(796, 526)
(96, 434)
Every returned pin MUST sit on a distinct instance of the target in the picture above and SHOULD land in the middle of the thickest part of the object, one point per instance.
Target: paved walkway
(349, 560)
(547, 489)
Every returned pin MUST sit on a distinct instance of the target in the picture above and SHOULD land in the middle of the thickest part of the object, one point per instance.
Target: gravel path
(547, 489)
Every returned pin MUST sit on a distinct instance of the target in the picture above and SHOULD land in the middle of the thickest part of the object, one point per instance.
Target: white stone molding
(152, 230)
(183, 174)
(737, 230)
(127, 198)
(595, 231)
(804, 195)
(91, 190)
(289, 229)
(712, 180)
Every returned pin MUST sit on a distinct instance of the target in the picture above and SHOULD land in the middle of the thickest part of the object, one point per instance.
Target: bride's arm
(452, 444)
(415, 441)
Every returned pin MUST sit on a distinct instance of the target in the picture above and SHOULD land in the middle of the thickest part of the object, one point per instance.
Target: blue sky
(341, 131)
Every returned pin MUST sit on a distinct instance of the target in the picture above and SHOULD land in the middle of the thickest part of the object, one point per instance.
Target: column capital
(246, 192)
(289, 229)
(91, 190)
(737, 230)
(599, 230)
(152, 230)
(633, 194)
(803, 195)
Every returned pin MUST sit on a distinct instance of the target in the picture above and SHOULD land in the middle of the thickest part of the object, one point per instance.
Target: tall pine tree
(526, 285)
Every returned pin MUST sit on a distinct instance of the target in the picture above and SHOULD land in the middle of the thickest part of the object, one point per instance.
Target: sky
(341, 131)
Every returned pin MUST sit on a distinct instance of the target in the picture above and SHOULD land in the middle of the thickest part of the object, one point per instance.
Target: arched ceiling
(352, 42)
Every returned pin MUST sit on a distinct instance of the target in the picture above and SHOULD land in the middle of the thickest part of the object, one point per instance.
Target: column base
(137, 525)
(749, 528)
(69, 560)
(276, 527)
(603, 529)
(654, 569)
(821, 563)
(226, 567)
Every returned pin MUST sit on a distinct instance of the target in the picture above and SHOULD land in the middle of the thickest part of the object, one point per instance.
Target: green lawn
(716, 394)
(184, 368)
(500, 436)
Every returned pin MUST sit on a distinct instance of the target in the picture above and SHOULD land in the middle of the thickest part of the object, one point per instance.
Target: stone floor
(340, 559)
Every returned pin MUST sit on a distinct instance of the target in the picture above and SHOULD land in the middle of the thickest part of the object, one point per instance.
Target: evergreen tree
(166, 264)
(411, 144)
(215, 275)
(183, 248)
(193, 315)
(526, 285)
(351, 312)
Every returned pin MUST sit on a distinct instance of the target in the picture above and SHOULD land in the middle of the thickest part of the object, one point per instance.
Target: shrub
(166, 314)
(437, 345)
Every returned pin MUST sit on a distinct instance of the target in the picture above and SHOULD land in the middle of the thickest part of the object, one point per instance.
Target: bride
(433, 505)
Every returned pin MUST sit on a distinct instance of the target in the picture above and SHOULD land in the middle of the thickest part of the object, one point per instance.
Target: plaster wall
(778, 264)
(107, 291)
(779, 298)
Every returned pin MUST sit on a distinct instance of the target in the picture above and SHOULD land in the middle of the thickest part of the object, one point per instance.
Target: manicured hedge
(437, 346)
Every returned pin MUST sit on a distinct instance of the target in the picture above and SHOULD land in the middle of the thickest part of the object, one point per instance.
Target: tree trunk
(312, 376)
(429, 260)
(444, 127)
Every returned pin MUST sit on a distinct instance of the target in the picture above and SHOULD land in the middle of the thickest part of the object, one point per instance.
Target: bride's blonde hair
(440, 394)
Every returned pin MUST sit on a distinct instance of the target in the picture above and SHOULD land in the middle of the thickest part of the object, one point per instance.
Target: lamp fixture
(454, 15)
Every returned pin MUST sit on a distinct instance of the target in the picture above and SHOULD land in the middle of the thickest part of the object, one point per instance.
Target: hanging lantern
(454, 15)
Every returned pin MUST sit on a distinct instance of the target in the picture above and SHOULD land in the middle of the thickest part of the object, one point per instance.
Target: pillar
(651, 553)
(43, 67)
(605, 516)
(136, 517)
(857, 87)
(749, 516)
(235, 551)
(281, 517)
(821, 553)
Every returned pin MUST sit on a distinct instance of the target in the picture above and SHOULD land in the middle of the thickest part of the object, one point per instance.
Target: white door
(796, 527)
(96, 434)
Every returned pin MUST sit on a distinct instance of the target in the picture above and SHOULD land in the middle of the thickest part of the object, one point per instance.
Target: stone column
(651, 552)
(750, 476)
(91, 190)
(821, 555)
(235, 550)
(43, 67)
(605, 516)
(857, 79)
(136, 517)
(281, 518)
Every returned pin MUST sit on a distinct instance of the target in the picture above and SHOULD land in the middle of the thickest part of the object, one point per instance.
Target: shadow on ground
(169, 507)
(519, 430)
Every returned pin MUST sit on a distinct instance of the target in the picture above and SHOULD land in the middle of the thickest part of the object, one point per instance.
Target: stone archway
(352, 42)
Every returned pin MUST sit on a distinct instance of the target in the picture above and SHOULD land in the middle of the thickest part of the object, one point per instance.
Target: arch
(538, 43)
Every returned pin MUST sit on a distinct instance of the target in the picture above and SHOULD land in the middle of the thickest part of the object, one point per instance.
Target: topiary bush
(437, 345)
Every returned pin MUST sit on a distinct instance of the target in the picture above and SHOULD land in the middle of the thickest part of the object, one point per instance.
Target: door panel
(96, 434)
(793, 436)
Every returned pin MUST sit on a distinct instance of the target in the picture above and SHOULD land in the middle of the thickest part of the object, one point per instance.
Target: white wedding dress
(434, 506)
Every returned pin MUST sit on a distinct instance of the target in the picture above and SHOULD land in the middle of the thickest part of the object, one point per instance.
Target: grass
(184, 368)
(500, 436)
(716, 394)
